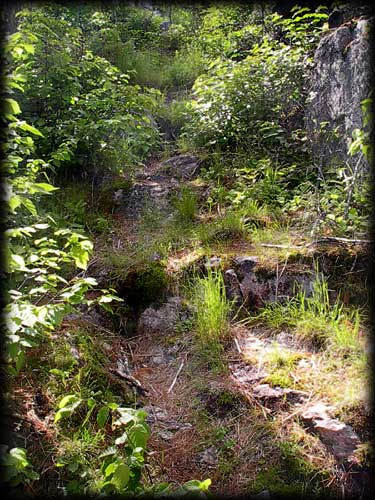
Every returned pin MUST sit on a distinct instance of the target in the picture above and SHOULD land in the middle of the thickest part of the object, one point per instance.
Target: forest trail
(206, 423)
(188, 307)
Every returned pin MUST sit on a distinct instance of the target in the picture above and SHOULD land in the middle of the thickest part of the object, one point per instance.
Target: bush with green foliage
(39, 253)
(89, 114)
(239, 103)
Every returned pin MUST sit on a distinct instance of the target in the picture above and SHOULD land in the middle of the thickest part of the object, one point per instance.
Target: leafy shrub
(232, 108)
(92, 116)
(18, 469)
(224, 30)
(184, 68)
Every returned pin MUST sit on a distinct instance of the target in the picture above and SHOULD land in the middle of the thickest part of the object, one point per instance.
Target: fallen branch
(133, 381)
(175, 379)
(325, 240)
(334, 239)
(271, 245)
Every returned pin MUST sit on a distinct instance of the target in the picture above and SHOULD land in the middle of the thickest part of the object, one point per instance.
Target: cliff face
(339, 82)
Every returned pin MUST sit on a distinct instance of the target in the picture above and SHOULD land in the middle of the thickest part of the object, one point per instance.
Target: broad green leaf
(29, 205)
(41, 187)
(138, 435)
(121, 476)
(17, 263)
(110, 469)
(29, 128)
(14, 202)
(11, 107)
(70, 398)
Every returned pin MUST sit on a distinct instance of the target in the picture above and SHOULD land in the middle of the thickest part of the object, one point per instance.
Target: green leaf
(110, 469)
(70, 398)
(17, 263)
(195, 485)
(67, 406)
(11, 107)
(102, 416)
(138, 435)
(59, 373)
(121, 476)
(91, 403)
(41, 187)
(29, 205)
(14, 202)
(29, 128)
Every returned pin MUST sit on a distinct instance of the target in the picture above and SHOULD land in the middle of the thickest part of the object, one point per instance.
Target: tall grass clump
(186, 205)
(316, 318)
(212, 312)
(229, 227)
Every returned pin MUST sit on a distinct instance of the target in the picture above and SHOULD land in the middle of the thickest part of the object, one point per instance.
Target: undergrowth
(316, 319)
(212, 314)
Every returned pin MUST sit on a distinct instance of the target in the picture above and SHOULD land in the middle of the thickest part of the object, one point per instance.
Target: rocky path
(212, 425)
(163, 364)
(314, 413)
(154, 185)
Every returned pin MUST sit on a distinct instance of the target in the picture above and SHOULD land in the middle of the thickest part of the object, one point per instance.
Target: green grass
(163, 71)
(316, 319)
(212, 312)
(186, 205)
(228, 227)
(281, 362)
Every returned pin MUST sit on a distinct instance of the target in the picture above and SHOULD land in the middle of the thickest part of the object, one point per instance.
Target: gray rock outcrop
(339, 437)
(340, 80)
(164, 319)
(250, 283)
(182, 166)
(232, 286)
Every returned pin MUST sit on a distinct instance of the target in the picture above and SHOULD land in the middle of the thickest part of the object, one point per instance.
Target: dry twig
(175, 379)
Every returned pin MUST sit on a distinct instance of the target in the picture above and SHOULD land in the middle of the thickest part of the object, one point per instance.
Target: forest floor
(281, 408)
(278, 414)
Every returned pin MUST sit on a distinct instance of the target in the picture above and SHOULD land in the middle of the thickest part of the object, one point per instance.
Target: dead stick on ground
(237, 345)
(175, 379)
(133, 381)
(328, 239)
(271, 245)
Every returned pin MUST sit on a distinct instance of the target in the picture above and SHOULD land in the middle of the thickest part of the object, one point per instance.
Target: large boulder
(340, 80)
(147, 194)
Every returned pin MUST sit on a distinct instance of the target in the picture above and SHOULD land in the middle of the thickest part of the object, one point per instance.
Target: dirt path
(236, 426)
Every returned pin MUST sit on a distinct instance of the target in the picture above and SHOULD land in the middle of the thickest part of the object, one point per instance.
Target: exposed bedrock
(340, 80)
